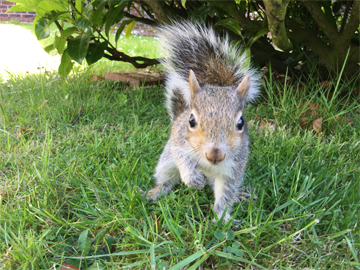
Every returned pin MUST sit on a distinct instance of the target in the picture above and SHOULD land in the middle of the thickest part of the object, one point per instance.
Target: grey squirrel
(208, 83)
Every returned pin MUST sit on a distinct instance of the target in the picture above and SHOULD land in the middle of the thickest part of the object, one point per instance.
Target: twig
(137, 11)
(120, 56)
(77, 119)
(139, 19)
(346, 14)
(145, 8)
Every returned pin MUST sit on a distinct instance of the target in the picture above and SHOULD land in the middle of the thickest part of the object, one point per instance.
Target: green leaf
(121, 28)
(183, 2)
(68, 31)
(259, 34)
(19, 8)
(236, 251)
(129, 28)
(219, 234)
(78, 47)
(84, 242)
(235, 244)
(82, 23)
(42, 30)
(113, 15)
(78, 6)
(242, 6)
(239, 252)
(49, 48)
(200, 14)
(45, 7)
(95, 52)
(110, 241)
(230, 235)
(88, 10)
(231, 24)
(36, 20)
(25, 5)
(60, 44)
(98, 15)
(66, 65)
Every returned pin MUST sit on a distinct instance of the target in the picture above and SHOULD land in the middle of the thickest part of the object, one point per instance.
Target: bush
(289, 34)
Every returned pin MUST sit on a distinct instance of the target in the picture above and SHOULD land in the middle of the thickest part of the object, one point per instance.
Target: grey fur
(214, 60)
(191, 153)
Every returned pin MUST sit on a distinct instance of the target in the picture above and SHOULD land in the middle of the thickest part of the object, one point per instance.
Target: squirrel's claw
(142, 192)
(245, 195)
(154, 193)
(198, 181)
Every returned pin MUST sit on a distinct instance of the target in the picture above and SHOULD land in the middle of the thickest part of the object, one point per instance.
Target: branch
(238, 15)
(144, 6)
(321, 20)
(276, 12)
(58, 26)
(354, 54)
(353, 23)
(133, 5)
(309, 38)
(159, 11)
(139, 19)
(346, 13)
(120, 56)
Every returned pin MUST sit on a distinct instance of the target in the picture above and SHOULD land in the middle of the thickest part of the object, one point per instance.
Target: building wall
(18, 16)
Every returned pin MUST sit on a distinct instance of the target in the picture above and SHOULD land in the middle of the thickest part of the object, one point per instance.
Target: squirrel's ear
(193, 83)
(244, 87)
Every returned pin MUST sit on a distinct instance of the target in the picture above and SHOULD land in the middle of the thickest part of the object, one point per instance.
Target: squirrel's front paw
(197, 181)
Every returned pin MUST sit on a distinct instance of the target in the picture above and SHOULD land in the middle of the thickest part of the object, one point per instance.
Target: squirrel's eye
(192, 121)
(240, 124)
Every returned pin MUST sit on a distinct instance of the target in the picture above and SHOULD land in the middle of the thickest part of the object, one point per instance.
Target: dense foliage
(286, 33)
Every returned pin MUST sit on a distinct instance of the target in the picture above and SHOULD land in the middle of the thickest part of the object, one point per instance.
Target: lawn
(72, 151)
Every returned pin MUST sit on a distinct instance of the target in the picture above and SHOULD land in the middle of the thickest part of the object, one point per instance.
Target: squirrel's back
(215, 61)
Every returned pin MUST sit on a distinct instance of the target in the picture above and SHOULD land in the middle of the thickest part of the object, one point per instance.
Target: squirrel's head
(216, 125)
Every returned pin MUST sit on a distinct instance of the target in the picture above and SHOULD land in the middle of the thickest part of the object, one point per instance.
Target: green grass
(67, 190)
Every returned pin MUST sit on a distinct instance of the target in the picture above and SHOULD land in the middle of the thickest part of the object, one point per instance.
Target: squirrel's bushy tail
(214, 60)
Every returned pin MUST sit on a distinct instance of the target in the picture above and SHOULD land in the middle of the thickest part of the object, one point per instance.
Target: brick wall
(18, 16)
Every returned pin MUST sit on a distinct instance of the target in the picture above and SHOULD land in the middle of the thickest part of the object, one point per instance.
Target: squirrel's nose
(215, 156)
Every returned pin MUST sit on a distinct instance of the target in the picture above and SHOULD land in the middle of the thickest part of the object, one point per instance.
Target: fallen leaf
(68, 266)
(357, 92)
(42, 104)
(264, 124)
(317, 126)
(314, 108)
(340, 120)
(23, 130)
(304, 122)
(350, 121)
(324, 84)
(97, 78)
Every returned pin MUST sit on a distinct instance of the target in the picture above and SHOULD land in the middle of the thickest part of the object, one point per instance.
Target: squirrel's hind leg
(166, 173)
